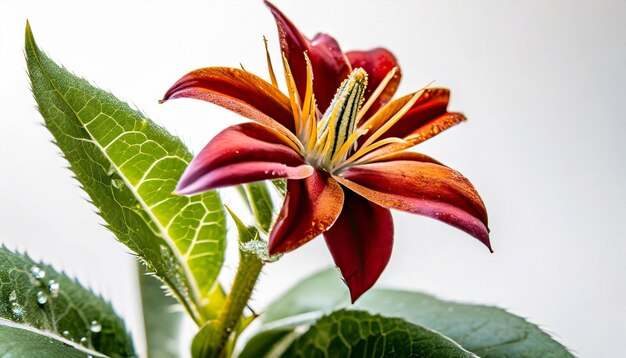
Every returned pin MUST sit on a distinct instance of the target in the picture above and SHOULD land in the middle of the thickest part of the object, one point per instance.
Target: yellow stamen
(364, 150)
(312, 126)
(346, 146)
(270, 68)
(396, 117)
(381, 87)
(294, 98)
(308, 97)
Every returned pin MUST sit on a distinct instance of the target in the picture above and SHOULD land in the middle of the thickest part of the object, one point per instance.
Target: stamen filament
(381, 87)
(364, 150)
(270, 68)
(346, 146)
(308, 97)
(396, 117)
(294, 98)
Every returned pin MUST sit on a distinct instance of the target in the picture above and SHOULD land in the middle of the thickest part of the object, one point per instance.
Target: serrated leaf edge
(194, 294)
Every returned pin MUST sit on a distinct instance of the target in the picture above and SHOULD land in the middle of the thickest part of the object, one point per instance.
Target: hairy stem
(215, 342)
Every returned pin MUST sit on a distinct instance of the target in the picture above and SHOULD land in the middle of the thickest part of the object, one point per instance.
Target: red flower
(345, 168)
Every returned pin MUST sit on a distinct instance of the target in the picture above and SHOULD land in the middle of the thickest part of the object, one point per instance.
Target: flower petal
(311, 206)
(360, 242)
(238, 91)
(422, 188)
(241, 154)
(330, 66)
(377, 63)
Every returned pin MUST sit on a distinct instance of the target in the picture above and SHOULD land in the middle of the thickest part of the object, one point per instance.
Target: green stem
(216, 339)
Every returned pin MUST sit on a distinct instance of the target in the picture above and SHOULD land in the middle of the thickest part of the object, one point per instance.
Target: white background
(542, 83)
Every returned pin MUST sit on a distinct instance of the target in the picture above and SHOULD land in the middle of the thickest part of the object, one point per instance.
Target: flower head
(340, 142)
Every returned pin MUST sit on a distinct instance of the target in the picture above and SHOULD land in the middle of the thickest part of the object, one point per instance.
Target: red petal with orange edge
(241, 154)
(422, 188)
(377, 63)
(360, 242)
(330, 66)
(311, 206)
(239, 91)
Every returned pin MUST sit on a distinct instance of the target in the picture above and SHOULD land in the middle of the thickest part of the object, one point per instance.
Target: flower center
(336, 130)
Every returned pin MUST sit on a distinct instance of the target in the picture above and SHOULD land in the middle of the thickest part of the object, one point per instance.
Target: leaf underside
(35, 295)
(129, 166)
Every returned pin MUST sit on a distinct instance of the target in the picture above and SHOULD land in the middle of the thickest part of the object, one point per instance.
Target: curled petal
(311, 206)
(377, 63)
(241, 154)
(330, 66)
(422, 188)
(238, 91)
(360, 242)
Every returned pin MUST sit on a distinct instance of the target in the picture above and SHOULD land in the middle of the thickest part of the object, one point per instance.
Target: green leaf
(281, 186)
(161, 315)
(22, 343)
(203, 344)
(261, 204)
(35, 295)
(483, 330)
(129, 166)
(360, 334)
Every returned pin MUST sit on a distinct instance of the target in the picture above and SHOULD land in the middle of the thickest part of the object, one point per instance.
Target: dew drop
(83, 341)
(111, 170)
(117, 183)
(13, 296)
(38, 273)
(95, 327)
(54, 288)
(65, 333)
(164, 250)
(17, 309)
(42, 298)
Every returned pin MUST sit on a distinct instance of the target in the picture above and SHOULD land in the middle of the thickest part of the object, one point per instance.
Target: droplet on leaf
(117, 183)
(95, 327)
(42, 298)
(54, 288)
(37, 273)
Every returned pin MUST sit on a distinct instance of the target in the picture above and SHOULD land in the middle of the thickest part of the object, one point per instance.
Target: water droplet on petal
(17, 309)
(38, 273)
(117, 183)
(13, 296)
(95, 327)
(54, 288)
(42, 298)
